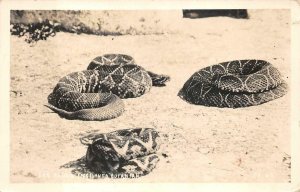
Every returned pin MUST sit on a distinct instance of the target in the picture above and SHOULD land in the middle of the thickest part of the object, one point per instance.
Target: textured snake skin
(233, 84)
(121, 59)
(94, 94)
(127, 151)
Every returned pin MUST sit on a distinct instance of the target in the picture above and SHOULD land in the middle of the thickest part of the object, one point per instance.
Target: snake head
(101, 157)
(89, 139)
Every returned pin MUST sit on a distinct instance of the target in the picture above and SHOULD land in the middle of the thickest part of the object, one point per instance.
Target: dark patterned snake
(94, 94)
(234, 84)
(126, 151)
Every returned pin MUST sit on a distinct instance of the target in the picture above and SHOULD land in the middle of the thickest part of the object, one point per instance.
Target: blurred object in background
(202, 13)
(35, 25)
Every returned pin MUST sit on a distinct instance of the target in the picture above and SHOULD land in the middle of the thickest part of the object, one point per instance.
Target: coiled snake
(94, 94)
(233, 84)
(126, 151)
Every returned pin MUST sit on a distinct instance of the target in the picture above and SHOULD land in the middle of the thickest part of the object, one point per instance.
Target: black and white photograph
(186, 94)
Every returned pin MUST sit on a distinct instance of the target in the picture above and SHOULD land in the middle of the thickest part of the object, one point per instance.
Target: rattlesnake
(233, 84)
(126, 151)
(94, 94)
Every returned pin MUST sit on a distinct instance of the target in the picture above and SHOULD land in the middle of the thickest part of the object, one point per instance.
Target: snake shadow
(78, 168)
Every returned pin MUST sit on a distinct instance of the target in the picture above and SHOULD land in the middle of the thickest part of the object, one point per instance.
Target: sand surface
(200, 144)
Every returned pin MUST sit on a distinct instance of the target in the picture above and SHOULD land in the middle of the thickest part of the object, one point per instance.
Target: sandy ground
(200, 144)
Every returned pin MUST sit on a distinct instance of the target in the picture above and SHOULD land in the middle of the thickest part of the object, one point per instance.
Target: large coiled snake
(129, 152)
(234, 84)
(94, 94)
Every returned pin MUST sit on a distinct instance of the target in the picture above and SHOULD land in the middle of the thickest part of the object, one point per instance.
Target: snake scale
(233, 84)
(123, 152)
(94, 94)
